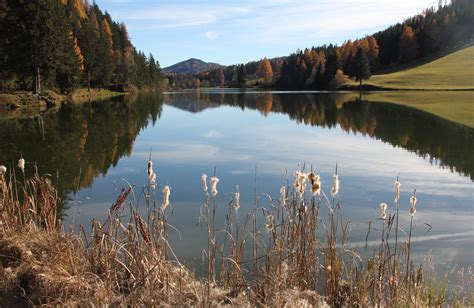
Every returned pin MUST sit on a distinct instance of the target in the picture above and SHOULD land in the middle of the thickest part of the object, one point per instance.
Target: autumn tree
(408, 46)
(264, 70)
(373, 52)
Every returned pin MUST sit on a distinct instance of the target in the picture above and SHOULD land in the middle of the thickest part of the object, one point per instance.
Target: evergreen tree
(241, 76)
(333, 63)
(360, 68)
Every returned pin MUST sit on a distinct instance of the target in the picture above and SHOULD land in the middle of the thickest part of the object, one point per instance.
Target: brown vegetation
(299, 259)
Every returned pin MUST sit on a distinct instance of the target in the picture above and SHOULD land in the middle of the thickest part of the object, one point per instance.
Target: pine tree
(333, 63)
(408, 46)
(360, 68)
(241, 75)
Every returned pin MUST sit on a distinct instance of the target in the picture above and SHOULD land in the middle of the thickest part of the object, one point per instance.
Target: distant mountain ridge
(191, 66)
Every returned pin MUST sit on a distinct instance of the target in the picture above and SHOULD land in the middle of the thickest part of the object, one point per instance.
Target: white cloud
(212, 35)
(177, 16)
(212, 134)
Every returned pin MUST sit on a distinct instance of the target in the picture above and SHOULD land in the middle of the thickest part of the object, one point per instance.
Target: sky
(231, 32)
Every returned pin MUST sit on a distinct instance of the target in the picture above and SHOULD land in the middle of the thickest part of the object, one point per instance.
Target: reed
(287, 251)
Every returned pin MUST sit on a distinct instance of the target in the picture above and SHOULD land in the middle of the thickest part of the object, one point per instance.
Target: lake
(255, 141)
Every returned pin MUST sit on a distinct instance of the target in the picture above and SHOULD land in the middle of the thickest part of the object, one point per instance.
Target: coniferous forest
(435, 31)
(66, 44)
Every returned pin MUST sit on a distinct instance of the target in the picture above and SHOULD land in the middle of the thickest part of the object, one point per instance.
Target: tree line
(324, 67)
(65, 44)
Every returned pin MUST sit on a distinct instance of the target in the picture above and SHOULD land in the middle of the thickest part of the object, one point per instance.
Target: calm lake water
(255, 140)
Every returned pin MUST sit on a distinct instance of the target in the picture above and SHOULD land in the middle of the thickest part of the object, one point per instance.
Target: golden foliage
(264, 69)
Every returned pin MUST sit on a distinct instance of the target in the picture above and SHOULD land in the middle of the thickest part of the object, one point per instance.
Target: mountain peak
(191, 66)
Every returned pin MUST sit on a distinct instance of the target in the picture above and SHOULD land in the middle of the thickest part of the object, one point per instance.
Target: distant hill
(191, 66)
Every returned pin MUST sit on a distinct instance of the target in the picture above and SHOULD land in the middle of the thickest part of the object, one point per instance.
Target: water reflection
(87, 147)
(443, 142)
(79, 142)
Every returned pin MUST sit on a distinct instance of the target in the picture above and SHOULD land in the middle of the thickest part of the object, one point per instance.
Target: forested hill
(191, 66)
(427, 35)
(64, 44)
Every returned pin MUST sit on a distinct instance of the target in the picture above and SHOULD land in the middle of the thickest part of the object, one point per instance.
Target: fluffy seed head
(315, 180)
(336, 184)
(283, 196)
(237, 200)
(383, 208)
(204, 182)
(270, 223)
(214, 181)
(397, 191)
(3, 169)
(166, 197)
(21, 164)
(152, 179)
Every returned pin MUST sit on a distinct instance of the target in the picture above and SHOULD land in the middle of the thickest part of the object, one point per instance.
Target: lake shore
(28, 104)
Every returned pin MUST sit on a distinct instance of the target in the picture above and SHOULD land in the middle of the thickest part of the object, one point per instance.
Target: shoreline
(27, 104)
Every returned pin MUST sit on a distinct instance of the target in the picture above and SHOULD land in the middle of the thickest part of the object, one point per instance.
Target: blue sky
(230, 32)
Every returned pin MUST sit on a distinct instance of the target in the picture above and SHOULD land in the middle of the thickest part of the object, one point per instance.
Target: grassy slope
(453, 71)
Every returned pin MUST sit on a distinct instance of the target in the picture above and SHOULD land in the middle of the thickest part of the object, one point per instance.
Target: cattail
(151, 175)
(300, 182)
(237, 200)
(150, 168)
(204, 182)
(21, 164)
(214, 181)
(413, 201)
(336, 184)
(153, 180)
(270, 223)
(296, 184)
(3, 169)
(383, 208)
(283, 196)
(303, 179)
(315, 180)
(397, 190)
(166, 197)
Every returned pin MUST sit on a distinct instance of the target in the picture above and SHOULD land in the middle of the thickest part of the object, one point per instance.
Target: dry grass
(292, 253)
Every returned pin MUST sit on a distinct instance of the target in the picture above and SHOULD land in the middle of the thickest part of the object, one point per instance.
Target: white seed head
(336, 184)
(166, 197)
(152, 179)
(150, 168)
(412, 211)
(21, 164)
(283, 196)
(316, 184)
(413, 200)
(3, 169)
(397, 191)
(204, 182)
(214, 181)
(237, 200)
(383, 206)
(270, 223)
